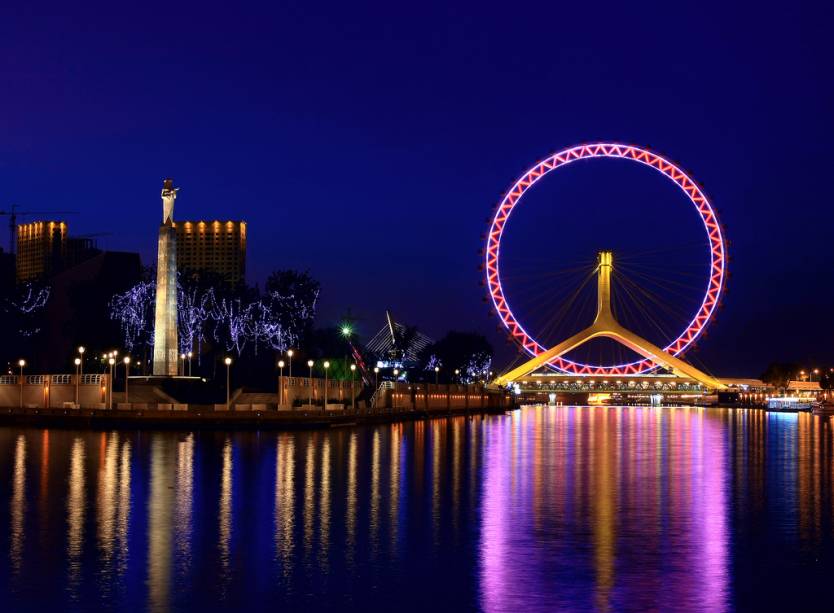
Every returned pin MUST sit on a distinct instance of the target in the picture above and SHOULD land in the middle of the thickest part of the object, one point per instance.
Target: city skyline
(401, 161)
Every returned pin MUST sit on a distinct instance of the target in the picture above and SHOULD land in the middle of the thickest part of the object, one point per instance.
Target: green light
(346, 330)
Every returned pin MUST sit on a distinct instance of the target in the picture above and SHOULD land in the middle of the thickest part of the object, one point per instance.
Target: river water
(560, 508)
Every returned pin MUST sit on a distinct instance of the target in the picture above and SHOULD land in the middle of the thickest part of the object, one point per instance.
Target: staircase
(385, 385)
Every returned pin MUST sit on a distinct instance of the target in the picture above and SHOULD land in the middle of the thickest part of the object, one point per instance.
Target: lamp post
(352, 381)
(111, 361)
(190, 354)
(228, 362)
(816, 371)
(127, 374)
(21, 363)
(81, 351)
(801, 375)
(326, 366)
(376, 377)
(77, 379)
(436, 375)
(182, 357)
(396, 373)
(457, 374)
(280, 381)
(290, 353)
(310, 364)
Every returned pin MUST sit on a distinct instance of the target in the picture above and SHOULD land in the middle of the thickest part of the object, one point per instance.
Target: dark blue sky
(369, 142)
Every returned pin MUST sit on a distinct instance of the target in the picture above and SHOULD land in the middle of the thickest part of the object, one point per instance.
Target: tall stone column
(165, 347)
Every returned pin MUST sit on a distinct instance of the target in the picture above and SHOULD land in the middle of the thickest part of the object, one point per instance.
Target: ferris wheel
(711, 284)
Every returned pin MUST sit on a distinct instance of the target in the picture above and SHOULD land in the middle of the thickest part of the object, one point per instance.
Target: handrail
(382, 386)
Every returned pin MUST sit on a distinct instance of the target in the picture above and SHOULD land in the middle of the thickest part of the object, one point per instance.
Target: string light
(272, 320)
(25, 306)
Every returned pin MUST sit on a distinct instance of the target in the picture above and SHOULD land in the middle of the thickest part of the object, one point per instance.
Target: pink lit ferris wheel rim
(512, 198)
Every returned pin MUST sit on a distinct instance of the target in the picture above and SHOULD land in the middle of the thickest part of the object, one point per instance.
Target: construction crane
(13, 214)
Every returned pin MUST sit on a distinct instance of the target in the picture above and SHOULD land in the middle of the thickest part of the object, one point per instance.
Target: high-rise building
(41, 249)
(217, 247)
(80, 249)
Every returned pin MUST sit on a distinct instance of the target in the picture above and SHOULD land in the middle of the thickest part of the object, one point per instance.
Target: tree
(778, 374)
(21, 314)
(468, 352)
(212, 316)
(404, 337)
(292, 297)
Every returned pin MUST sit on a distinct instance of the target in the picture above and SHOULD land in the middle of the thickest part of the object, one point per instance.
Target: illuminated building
(216, 247)
(41, 249)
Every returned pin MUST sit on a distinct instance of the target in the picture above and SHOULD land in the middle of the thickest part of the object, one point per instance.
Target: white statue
(169, 194)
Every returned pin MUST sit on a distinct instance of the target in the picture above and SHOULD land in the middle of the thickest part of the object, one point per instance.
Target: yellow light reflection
(76, 509)
(18, 506)
(285, 500)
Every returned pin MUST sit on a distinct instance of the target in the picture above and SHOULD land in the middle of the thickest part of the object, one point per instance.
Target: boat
(789, 404)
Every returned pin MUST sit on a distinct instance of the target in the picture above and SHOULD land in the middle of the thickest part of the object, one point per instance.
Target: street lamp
(81, 351)
(290, 353)
(396, 373)
(436, 375)
(111, 361)
(21, 363)
(801, 375)
(182, 357)
(310, 364)
(816, 371)
(280, 381)
(457, 374)
(376, 377)
(190, 354)
(77, 379)
(127, 374)
(352, 381)
(326, 366)
(228, 362)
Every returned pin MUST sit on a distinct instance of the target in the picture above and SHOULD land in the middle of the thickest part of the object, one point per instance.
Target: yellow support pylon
(606, 325)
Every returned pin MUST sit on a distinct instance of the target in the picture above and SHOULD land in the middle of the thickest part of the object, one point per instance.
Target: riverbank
(195, 418)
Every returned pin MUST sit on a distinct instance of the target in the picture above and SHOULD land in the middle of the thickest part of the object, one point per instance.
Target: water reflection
(123, 509)
(106, 505)
(395, 434)
(18, 506)
(184, 502)
(160, 521)
(541, 509)
(374, 526)
(225, 512)
(324, 507)
(350, 502)
(285, 501)
(648, 485)
(76, 511)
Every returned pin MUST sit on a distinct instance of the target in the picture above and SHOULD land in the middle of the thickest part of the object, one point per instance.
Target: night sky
(369, 143)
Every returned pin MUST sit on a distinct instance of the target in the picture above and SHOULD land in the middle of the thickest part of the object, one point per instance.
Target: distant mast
(165, 347)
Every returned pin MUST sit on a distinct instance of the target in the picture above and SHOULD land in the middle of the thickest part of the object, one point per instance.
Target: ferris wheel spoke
(635, 290)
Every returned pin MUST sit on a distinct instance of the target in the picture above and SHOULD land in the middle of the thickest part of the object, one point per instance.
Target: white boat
(789, 403)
